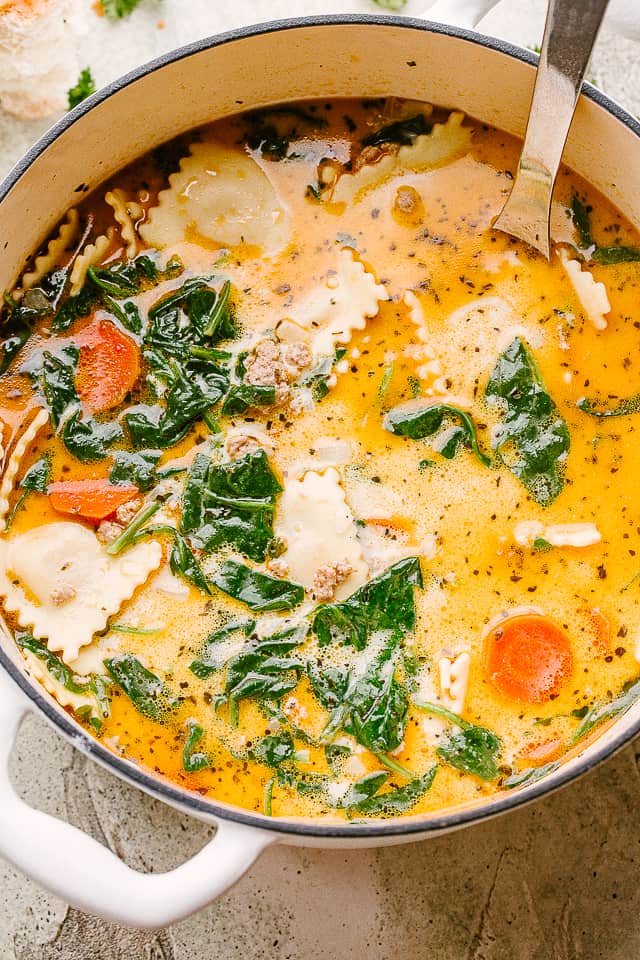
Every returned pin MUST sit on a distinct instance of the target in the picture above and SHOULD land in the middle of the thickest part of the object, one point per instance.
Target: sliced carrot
(535, 754)
(392, 523)
(528, 658)
(92, 499)
(108, 366)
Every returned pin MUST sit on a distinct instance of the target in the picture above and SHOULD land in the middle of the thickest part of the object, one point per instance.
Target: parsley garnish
(117, 9)
(85, 86)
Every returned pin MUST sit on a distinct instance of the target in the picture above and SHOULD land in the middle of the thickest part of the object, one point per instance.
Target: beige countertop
(556, 881)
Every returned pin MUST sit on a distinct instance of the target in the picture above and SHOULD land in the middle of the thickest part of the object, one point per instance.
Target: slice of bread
(38, 57)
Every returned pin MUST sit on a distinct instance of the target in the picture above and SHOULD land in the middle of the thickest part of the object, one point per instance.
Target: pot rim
(163, 790)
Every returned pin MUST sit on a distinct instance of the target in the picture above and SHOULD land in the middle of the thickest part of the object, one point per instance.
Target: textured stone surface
(556, 881)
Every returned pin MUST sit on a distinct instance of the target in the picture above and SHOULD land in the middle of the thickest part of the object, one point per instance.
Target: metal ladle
(569, 37)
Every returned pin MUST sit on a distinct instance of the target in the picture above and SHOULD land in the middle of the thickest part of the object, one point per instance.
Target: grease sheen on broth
(281, 347)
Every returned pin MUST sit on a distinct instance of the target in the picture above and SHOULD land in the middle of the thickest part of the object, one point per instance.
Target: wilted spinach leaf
(469, 748)
(170, 327)
(272, 140)
(397, 801)
(266, 669)
(192, 759)
(267, 141)
(86, 439)
(193, 502)
(192, 315)
(122, 280)
(608, 709)
(623, 408)
(188, 398)
(231, 503)
(258, 590)
(58, 382)
(578, 714)
(377, 706)
(53, 664)
(317, 378)
(274, 750)
(16, 320)
(330, 684)
(335, 753)
(362, 790)
(179, 350)
(109, 286)
(618, 253)
(472, 749)
(97, 686)
(75, 307)
(580, 214)
(417, 423)
(38, 476)
(208, 660)
(533, 440)
(35, 480)
(146, 691)
(182, 560)
(530, 775)
(136, 468)
(385, 603)
(305, 783)
(241, 396)
(402, 132)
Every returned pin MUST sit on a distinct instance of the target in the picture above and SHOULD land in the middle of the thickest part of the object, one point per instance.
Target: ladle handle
(569, 36)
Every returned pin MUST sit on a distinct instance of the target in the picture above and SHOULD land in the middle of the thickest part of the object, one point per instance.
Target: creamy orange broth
(458, 517)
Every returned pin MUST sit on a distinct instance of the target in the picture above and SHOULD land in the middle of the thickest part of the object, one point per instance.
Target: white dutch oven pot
(326, 57)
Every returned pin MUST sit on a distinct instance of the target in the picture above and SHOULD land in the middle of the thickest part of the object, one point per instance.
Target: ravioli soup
(318, 495)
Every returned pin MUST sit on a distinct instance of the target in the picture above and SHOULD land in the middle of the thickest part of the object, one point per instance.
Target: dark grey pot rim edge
(137, 776)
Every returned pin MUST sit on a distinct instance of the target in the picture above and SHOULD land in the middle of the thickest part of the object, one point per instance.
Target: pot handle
(459, 13)
(89, 876)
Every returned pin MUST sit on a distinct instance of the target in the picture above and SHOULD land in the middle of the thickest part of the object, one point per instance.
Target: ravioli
(60, 583)
(220, 194)
(317, 526)
(349, 296)
(446, 141)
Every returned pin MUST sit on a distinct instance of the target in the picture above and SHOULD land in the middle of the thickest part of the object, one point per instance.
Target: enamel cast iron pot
(324, 57)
